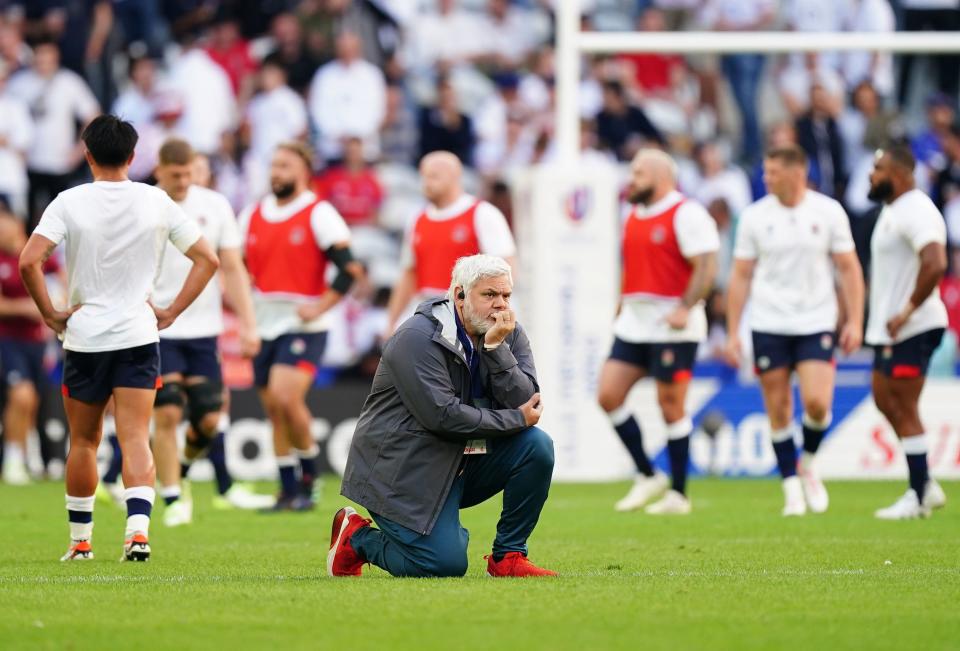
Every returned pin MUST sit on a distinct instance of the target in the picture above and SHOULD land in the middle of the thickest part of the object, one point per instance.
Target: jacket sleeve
(513, 378)
(420, 375)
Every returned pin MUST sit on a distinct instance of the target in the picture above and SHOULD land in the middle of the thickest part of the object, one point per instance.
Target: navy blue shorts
(666, 362)
(303, 350)
(191, 358)
(22, 361)
(772, 351)
(92, 377)
(908, 359)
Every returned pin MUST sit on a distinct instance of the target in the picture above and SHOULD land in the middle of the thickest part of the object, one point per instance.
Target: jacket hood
(440, 312)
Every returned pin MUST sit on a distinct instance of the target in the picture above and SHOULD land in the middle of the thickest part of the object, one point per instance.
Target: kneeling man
(449, 423)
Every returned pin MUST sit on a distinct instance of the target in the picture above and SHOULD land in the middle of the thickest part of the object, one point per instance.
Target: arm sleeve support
(341, 257)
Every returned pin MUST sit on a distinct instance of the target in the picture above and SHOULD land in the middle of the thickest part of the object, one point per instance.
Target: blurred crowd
(374, 85)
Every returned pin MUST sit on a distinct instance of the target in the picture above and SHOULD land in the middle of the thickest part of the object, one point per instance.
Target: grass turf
(733, 575)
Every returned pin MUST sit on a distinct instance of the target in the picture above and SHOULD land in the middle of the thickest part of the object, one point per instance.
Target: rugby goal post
(567, 223)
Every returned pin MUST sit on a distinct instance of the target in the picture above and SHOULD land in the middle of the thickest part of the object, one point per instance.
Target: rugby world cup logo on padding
(578, 203)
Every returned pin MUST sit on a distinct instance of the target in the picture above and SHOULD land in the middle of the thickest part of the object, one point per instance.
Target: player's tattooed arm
(701, 280)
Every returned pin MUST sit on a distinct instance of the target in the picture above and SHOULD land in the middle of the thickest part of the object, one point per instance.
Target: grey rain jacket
(414, 425)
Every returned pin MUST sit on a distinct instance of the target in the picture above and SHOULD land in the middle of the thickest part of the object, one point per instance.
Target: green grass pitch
(733, 575)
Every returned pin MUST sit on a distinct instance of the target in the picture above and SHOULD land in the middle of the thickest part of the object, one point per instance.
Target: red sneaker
(341, 559)
(515, 564)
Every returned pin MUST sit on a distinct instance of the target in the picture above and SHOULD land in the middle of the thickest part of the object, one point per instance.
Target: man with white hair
(670, 246)
(449, 423)
(453, 225)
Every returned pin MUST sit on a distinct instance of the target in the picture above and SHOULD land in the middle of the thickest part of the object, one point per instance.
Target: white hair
(470, 270)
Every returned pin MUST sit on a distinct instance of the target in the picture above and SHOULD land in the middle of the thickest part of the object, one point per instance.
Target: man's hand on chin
(506, 321)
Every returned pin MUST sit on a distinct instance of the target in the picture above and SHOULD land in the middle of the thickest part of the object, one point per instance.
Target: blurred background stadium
(373, 85)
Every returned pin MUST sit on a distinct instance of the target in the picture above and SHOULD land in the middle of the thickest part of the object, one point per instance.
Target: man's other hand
(532, 409)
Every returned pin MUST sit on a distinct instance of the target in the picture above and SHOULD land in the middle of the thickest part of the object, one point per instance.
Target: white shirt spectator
(348, 100)
(56, 105)
(493, 232)
(903, 229)
(209, 107)
(818, 16)
(277, 315)
(490, 127)
(273, 116)
(16, 130)
(116, 233)
(735, 14)
(204, 318)
(642, 319)
(795, 82)
(134, 107)
(450, 37)
(871, 16)
(513, 38)
(731, 185)
(793, 290)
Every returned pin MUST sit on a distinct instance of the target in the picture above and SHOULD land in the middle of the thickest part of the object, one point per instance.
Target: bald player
(290, 238)
(453, 225)
(669, 254)
(907, 316)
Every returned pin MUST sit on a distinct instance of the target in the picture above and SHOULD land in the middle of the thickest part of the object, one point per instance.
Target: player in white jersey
(908, 258)
(189, 355)
(116, 232)
(669, 256)
(788, 245)
(290, 237)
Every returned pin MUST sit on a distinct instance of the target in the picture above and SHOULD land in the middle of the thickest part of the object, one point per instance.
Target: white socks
(139, 501)
(80, 514)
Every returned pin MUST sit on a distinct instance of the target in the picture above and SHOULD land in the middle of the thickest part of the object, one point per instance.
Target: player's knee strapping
(170, 394)
(203, 399)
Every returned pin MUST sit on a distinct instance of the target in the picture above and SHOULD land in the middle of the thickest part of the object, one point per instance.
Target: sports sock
(915, 448)
(308, 467)
(13, 453)
(813, 433)
(288, 475)
(139, 501)
(116, 461)
(785, 449)
(678, 448)
(628, 429)
(80, 515)
(170, 494)
(218, 459)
